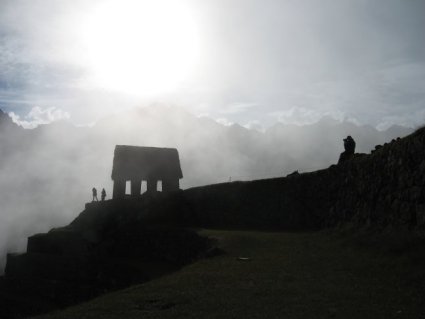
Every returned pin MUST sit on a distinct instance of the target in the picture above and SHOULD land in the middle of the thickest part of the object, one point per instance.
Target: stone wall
(382, 189)
(386, 188)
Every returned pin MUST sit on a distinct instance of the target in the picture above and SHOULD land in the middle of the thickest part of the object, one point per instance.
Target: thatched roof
(139, 162)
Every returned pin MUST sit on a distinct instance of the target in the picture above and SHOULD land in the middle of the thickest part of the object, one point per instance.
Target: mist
(47, 172)
(276, 86)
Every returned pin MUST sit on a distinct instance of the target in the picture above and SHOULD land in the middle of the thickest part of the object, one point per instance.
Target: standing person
(94, 191)
(103, 194)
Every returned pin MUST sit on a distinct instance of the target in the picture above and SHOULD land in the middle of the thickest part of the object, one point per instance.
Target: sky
(253, 62)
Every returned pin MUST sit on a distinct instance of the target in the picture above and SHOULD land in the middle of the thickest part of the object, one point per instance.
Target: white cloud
(299, 116)
(224, 121)
(305, 116)
(254, 125)
(415, 119)
(238, 107)
(205, 114)
(38, 116)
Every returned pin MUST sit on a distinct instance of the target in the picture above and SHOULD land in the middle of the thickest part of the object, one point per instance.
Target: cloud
(414, 119)
(304, 116)
(255, 125)
(224, 121)
(238, 107)
(38, 116)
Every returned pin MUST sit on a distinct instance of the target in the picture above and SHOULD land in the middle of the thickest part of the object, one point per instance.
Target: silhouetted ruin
(150, 164)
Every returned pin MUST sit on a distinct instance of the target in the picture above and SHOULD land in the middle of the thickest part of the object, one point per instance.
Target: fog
(267, 87)
(47, 172)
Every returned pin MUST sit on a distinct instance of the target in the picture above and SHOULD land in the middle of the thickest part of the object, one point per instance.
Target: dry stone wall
(385, 189)
(382, 189)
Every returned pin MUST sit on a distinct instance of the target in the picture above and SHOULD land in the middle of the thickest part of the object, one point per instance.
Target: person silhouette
(103, 194)
(94, 191)
(349, 145)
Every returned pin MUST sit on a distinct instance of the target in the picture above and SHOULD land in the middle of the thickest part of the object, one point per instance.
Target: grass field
(277, 275)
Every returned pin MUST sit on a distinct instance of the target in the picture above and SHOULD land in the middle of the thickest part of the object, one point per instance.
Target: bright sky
(254, 62)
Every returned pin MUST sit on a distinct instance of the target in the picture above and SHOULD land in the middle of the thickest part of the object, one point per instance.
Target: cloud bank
(38, 116)
(363, 60)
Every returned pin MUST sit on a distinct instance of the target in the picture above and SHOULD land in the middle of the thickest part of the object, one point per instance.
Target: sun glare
(141, 47)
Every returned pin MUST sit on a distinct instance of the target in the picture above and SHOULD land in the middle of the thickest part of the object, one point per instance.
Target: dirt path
(276, 275)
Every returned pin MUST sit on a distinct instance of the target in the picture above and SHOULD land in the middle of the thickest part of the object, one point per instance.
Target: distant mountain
(318, 145)
(47, 173)
(6, 122)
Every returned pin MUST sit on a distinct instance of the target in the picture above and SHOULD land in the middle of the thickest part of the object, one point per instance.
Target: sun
(141, 47)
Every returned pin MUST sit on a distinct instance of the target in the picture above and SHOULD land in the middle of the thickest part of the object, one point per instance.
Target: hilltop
(278, 274)
(381, 191)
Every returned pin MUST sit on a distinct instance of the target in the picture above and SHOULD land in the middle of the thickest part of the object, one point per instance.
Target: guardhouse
(150, 164)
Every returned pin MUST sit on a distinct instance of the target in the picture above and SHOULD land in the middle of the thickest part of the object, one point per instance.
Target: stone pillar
(119, 189)
(170, 184)
(151, 185)
(136, 187)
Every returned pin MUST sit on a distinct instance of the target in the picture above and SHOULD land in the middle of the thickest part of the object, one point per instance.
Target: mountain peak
(4, 116)
(6, 121)
(328, 120)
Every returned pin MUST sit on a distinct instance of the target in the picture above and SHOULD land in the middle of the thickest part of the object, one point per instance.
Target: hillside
(286, 275)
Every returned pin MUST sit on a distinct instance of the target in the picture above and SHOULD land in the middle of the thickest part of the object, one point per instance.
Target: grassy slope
(289, 275)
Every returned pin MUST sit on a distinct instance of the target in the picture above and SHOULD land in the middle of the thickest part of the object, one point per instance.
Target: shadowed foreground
(286, 275)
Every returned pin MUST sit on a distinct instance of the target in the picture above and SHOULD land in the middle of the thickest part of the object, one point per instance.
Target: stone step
(61, 241)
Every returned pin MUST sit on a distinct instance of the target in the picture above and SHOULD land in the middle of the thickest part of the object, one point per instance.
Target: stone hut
(150, 164)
